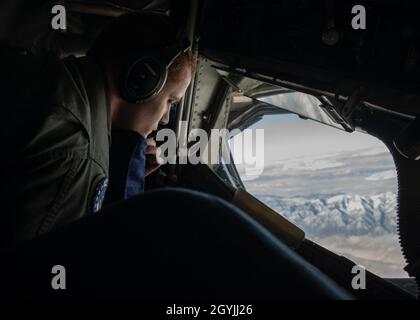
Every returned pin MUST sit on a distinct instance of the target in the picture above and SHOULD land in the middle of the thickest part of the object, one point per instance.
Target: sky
(288, 136)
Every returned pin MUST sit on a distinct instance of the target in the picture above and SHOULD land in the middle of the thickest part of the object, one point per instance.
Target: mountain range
(344, 201)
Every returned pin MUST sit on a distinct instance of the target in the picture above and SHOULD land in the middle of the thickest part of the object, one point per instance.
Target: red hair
(186, 60)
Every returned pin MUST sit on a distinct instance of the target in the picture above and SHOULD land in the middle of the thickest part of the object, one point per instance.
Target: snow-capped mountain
(341, 215)
(355, 198)
(344, 201)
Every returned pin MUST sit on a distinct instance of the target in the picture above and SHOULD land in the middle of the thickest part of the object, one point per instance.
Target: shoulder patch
(99, 196)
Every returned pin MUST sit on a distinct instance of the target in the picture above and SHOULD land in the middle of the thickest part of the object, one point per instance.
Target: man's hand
(152, 162)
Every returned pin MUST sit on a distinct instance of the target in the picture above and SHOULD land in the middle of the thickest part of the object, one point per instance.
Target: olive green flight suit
(56, 126)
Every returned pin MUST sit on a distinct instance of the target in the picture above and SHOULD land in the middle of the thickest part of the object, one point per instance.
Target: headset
(144, 76)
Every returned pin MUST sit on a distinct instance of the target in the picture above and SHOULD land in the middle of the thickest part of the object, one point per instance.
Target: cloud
(384, 175)
(287, 136)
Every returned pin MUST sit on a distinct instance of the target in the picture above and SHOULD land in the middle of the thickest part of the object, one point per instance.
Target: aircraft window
(339, 187)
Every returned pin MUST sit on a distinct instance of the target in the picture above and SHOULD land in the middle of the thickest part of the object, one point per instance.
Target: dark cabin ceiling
(26, 24)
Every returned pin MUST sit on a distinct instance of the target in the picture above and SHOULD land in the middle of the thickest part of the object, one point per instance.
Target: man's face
(145, 117)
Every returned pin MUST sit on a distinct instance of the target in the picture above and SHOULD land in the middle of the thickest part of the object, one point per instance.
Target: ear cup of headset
(143, 79)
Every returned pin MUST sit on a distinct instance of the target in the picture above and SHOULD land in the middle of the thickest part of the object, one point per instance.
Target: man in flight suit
(57, 121)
